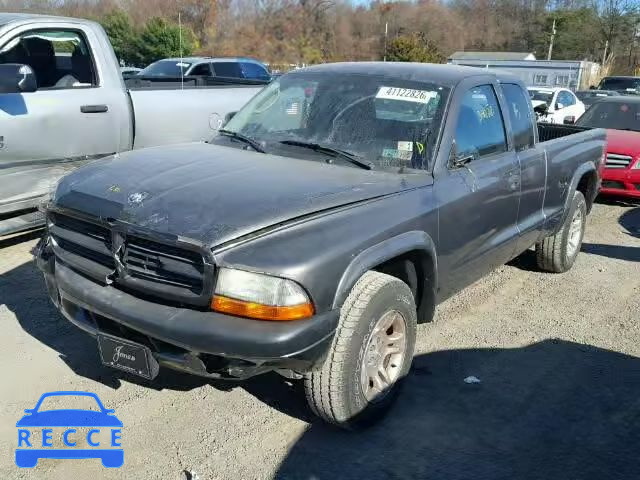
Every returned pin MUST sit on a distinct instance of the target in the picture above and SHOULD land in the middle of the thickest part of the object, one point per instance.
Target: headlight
(259, 296)
(637, 164)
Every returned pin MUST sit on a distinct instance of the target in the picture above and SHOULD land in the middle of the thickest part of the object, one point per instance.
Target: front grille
(155, 262)
(83, 245)
(612, 184)
(147, 267)
(615, 160)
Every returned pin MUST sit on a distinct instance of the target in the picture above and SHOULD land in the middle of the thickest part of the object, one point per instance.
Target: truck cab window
(480, 128)
(520, 115)
(202, 70)
(59, 58)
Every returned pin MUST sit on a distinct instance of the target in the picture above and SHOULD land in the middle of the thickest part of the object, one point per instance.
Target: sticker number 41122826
(405, 94)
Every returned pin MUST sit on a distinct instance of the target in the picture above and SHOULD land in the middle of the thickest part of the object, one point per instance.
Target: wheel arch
(410, 256)
(585, 180)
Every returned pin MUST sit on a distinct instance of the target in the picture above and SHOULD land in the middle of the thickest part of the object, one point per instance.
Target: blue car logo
(43, 422)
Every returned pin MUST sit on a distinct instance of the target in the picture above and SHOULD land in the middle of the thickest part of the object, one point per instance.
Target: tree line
(286, 32)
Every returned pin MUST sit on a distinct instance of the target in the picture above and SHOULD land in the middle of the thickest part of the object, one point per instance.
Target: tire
(558, 252)
(335, 392)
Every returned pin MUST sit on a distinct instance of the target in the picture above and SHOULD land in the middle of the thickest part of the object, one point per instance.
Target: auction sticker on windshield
(405, 94)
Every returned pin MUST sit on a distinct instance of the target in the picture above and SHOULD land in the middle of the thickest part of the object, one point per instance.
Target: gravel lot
(558, 357)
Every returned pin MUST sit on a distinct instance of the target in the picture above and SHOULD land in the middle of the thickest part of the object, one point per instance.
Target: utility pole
(553, 35)
(386, 34)
(604, 55)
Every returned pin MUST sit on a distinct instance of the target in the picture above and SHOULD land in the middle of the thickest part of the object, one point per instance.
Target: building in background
(573, 74)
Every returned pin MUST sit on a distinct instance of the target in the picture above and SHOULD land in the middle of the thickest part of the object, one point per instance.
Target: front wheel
(370, 355)
(558, 252)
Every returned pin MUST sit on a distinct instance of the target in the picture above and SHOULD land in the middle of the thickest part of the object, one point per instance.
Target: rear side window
(254, 71)
(480, 128)
(202, 70)
(227, 69)
(520, 116)
(59, 58)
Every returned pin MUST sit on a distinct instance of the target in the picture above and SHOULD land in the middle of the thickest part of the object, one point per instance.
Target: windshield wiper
(243, 138)
(335, 152)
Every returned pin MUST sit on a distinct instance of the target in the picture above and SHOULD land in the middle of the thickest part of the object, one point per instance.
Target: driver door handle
(94, 109)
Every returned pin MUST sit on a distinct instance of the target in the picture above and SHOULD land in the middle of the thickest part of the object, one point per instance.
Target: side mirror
(459, 160)
(570, 120)
(229, 116)
(559, 106)
(17, 78)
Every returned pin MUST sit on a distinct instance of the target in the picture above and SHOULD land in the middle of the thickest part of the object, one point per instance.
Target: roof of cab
(444, 74)
(6, 18)
(209, 59)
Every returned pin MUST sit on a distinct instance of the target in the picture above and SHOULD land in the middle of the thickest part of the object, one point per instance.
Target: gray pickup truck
(333, 214)
(63, 103)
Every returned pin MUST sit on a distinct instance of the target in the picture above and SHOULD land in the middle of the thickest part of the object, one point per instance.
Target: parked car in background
(589, 96)
(329, 217)
(129, 71)
(561, 104)
(61, 110)
(621, 117)
(624, 85)
(208, 67)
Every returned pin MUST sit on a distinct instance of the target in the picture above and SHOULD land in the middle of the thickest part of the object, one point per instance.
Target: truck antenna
(180, 48)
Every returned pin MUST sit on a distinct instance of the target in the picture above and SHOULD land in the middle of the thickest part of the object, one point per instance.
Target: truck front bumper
(200, 342)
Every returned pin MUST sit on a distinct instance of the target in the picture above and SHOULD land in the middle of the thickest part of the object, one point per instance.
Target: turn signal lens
(241, 308)
(260, 296)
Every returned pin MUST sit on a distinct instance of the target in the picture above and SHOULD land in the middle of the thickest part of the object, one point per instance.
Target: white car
(563, 105)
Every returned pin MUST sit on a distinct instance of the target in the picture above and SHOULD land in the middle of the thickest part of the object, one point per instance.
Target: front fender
(386, 250)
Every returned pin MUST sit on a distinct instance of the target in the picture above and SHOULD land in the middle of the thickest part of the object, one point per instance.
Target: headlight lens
(637, 164)
(259, 296)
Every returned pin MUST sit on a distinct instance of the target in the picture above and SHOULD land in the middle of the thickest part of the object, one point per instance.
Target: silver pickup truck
(63, 103)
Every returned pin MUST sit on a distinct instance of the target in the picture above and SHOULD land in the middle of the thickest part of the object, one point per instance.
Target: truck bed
(188, 82)
(551, 131)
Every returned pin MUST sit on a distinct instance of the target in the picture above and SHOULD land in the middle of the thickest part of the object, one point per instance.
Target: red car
(621, 117)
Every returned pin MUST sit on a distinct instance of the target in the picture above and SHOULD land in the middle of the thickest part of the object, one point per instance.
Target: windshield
(166, 68)
(391, 123)
(627, 84)
(615, 115)
(541, 95)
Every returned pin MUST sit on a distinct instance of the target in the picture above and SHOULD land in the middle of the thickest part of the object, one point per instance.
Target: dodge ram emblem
(137, 198)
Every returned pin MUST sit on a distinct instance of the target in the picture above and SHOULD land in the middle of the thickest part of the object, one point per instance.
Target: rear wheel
(371, 353)
(558, 252)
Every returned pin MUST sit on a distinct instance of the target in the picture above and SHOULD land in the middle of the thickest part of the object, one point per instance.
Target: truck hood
(215, 194)
(623, 142)
(536, 103)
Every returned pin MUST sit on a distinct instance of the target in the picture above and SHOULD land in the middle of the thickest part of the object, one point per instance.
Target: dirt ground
(557, 356)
